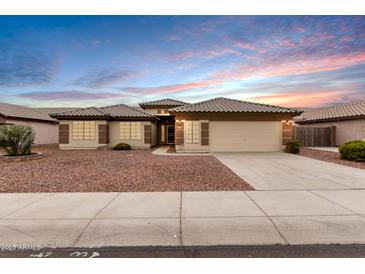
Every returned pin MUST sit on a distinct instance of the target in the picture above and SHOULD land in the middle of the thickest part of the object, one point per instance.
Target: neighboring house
(45, 127)
(349, 120)
(220, 124)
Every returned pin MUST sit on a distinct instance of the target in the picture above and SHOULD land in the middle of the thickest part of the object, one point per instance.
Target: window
(159, 111)
(192, 132)
(135, 130)
(89, 130)
(77, 130)
(130, 131)
(83, 130)
(125, 130)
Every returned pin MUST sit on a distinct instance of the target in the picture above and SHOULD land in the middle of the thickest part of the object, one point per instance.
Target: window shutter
(179, 134)
(103, 134)
(204, 134)
(147, 134)
(64, 133)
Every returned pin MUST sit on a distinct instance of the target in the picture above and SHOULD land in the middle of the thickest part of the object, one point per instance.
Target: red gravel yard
(329, 156)
(117, 171)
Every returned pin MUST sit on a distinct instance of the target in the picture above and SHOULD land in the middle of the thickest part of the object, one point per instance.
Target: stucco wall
(114, 137)
(345, 130)
(191, 147)
(153, 111)
(46, 133)
(83, 144)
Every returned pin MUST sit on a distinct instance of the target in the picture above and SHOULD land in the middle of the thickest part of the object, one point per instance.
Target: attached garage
(228, 125)
(245, 136)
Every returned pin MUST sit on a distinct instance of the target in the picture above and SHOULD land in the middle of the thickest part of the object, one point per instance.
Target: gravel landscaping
(117, 171)
(329, 156)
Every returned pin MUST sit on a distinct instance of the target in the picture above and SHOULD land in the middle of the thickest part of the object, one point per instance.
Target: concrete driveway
(282, 171)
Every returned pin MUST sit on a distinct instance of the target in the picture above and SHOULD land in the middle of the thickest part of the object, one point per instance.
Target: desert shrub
(122, 146)
(292, 147)
(18, 139)
(353, 151)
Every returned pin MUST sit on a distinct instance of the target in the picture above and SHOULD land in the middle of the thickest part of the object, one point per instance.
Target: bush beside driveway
(117, 171)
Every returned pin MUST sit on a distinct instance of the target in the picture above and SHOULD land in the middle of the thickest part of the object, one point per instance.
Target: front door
(171, 134)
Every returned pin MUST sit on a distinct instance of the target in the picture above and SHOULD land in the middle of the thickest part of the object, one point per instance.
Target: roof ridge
(144, 112)
(233, 100)
(129, 107)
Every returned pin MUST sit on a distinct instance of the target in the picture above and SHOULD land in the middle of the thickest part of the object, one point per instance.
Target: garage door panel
(245, 136)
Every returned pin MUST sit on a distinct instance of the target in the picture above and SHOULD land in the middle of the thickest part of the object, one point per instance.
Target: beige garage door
(245, 136)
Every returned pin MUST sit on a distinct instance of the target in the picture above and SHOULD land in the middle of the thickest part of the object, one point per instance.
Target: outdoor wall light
(179, 123)
(287, 122)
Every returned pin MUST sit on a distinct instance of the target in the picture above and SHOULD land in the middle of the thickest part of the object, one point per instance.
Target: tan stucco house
(219, 124)
(348, 120)
(45, 127)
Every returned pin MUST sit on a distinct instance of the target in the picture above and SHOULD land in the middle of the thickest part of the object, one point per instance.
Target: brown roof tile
(338, 112)
(119, 111)
(221, 104)
(16, 111)
(114, 111)
(164, 102)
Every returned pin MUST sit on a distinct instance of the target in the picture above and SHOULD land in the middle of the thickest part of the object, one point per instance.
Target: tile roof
(338, 112)
(164, 102)
(16, 111)
(121, 110)
(222, 104)
(114, 111)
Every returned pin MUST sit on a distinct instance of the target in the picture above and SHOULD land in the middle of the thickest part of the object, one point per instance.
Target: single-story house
(348, 120)
(45, 127)
(219, 124)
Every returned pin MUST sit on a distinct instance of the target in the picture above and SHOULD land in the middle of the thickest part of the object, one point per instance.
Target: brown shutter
(179, 133)
(147, 134)
(103, 134)
(204, 134)
(63, 133)
(287, 132)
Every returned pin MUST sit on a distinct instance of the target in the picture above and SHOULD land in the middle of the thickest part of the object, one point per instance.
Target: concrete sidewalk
(183, 218)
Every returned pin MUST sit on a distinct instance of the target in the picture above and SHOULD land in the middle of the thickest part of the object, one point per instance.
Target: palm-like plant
(18, 139)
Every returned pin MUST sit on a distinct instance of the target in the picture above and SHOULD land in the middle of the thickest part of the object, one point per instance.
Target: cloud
(170, 88)
(72, 95)
(172, 37)
(308, 98)
(275, 66)
(103, 78)
(26, 66)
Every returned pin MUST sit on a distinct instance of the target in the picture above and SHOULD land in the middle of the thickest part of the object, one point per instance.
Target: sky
(294, 61)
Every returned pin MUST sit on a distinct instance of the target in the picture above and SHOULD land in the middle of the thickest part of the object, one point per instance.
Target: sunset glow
(299, 61)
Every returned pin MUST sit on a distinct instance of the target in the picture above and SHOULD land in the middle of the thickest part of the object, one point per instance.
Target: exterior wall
(190, 147)
(260, 121)
(46, 133)
(114, 139)
(154, 111)
(83, 144)
(347, 130)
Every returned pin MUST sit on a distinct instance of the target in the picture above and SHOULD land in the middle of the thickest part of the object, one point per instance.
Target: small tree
(18, 139)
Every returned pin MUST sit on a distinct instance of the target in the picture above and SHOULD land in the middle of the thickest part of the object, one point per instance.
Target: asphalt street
(269, 251)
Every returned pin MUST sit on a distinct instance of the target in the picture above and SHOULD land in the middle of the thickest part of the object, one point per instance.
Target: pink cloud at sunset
(302, 64)
(308, 98)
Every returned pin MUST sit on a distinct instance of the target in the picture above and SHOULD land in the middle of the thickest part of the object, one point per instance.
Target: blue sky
(300, 61)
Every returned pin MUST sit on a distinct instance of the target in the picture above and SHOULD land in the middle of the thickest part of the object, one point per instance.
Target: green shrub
(292, 147)
(353, 151)
(122, 146)
(18, 138)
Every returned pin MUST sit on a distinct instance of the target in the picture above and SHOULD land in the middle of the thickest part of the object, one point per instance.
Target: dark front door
(171, 134)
